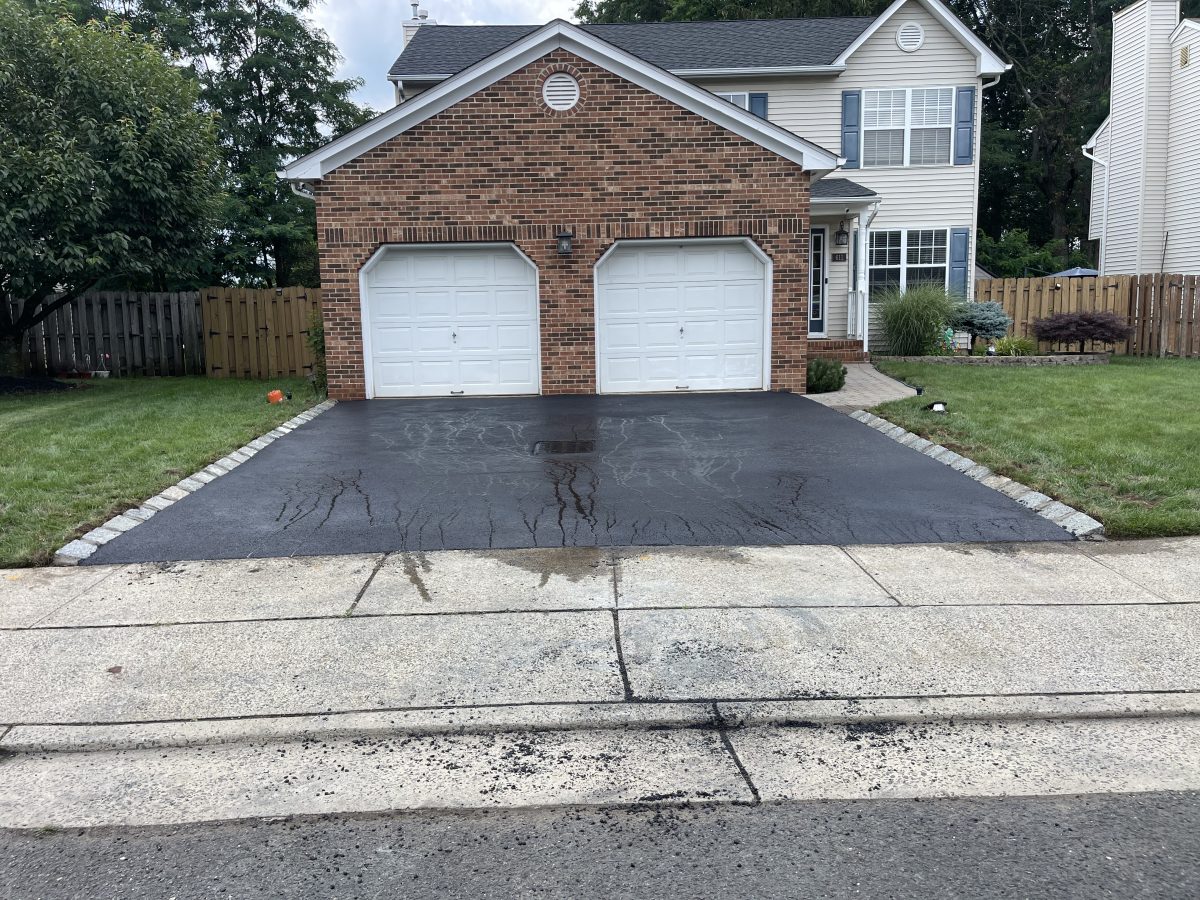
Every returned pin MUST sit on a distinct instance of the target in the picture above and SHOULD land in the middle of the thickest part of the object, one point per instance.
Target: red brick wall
(501, 166)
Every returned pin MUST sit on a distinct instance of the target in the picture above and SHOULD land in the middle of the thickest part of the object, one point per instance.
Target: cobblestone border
(1080, 524)
(82, 547)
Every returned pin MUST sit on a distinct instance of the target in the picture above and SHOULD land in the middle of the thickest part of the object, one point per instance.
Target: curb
(721, 714)
(76, 551)
(1072, 520)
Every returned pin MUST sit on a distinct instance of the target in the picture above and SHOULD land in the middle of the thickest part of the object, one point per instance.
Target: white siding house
(1146, 163)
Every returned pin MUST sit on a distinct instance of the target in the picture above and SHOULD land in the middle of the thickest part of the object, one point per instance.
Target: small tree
(1081, 327)
(108, 169)
(985, 320)
(913, 321)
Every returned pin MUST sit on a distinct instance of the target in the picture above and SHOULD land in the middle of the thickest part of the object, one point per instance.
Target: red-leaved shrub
(1081, 327)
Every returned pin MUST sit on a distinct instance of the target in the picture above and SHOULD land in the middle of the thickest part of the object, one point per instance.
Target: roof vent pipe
(416, 9)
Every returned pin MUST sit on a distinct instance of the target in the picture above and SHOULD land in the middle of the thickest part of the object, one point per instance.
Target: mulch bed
(15, 384)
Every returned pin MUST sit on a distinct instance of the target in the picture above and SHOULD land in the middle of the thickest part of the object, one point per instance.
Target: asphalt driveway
(698, 470)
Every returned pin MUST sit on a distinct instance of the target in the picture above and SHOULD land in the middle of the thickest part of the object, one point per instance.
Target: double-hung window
(907, 127)
(904, 259)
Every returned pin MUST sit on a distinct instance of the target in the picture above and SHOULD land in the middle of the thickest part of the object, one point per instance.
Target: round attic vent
(909, 37)
(560, 91)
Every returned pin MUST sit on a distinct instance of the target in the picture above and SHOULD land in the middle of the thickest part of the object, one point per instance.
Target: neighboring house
(652, 207)
(1145, 208)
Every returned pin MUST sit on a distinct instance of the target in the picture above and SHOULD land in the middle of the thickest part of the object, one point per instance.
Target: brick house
(561, 215)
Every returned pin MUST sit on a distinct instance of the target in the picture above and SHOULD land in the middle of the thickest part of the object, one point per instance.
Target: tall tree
(270, 76)
(107, 167)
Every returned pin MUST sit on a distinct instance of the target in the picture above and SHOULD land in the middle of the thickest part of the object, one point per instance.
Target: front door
(816, 290)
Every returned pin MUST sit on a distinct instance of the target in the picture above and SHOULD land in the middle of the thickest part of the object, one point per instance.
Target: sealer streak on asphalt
(754, 469)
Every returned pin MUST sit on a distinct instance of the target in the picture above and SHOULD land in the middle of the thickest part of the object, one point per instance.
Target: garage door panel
(518, 303)
(659, 299)
(699, 316)
(659, 334)
(449, 321)
(515, 337)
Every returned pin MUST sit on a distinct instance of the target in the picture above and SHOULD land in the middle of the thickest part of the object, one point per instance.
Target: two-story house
(645, 207)
(1145, 201)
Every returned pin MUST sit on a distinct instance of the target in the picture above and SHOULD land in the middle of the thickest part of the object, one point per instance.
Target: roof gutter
(739, 72)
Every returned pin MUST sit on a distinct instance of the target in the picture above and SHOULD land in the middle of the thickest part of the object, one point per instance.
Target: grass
(1117, 441)
(70, 460)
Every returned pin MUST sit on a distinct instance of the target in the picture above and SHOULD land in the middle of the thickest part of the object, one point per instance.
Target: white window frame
(908, 126)
(738, 98)
(905, 265)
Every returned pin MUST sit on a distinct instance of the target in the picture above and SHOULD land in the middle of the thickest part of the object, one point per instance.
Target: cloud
(370, 33)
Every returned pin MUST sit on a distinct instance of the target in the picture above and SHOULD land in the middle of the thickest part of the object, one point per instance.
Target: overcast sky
(369, 32)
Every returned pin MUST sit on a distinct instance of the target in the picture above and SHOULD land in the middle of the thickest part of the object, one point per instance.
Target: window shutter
(851, 127)
(964, 127)
(960, 254)
(758, 105)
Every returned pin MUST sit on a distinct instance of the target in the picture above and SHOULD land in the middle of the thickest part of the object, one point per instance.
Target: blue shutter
(851, 126)
(960, 253)
(964, 127)
(758, 105)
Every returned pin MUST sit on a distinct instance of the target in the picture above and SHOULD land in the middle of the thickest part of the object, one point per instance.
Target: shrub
(913, 321)
(985, 320)
(1016, 346)
(316, 343)
(825, 375)
(1081, 327)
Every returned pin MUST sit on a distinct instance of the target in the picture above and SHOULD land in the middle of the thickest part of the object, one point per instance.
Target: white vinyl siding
(916, 195)
(1099, 172)
(1183, 158)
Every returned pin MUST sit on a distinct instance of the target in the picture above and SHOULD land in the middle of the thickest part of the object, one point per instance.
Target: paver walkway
(865, 387)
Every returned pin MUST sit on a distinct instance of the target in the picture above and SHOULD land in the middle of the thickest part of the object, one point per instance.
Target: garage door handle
(455, 393)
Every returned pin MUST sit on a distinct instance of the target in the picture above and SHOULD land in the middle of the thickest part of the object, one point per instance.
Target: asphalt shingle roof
(836, 188)
(748, 43)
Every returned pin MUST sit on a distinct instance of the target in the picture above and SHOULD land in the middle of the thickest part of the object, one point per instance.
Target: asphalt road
(1098, 846)
(700, 470)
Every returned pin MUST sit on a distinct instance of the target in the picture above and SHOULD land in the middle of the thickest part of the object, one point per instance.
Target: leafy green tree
(270, 76)
(107, 167)
(597, 11)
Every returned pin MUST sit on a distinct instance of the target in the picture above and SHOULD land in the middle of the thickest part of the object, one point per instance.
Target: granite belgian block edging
(84, 546)
(1077, 523)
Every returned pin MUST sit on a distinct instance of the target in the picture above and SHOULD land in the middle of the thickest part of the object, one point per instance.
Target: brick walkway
(865, 387)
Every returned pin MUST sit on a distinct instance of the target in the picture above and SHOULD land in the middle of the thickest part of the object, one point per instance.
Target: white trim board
(559, 35)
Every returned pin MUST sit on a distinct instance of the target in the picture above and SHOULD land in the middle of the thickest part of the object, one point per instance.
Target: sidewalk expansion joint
(1075, 522)
(621, 656)
(367, 584)
(723, 731)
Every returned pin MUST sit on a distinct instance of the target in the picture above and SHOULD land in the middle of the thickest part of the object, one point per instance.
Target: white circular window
(560, 91)
(909, 37)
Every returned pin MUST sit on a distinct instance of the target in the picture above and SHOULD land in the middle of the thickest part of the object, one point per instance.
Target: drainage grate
(559, 448)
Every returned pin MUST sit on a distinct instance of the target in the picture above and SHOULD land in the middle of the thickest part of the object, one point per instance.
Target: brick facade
(501, 166)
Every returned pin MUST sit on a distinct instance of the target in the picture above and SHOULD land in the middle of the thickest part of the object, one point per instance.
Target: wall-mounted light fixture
(841, 237)
(564, 239)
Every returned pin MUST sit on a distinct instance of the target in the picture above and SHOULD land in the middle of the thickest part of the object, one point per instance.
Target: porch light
(564, 239)
(841, 237)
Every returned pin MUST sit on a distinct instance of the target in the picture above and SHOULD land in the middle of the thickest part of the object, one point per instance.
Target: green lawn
(70, 460)
(1119, 441)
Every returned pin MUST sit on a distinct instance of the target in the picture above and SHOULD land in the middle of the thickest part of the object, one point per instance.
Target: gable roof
(989, 63)
(438, 51)
(560, 35)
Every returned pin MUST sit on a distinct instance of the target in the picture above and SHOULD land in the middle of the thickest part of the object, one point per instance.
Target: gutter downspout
(1096, 161)
(864, 225)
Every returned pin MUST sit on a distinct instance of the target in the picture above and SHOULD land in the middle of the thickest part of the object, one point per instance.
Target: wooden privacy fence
(124, 332)
(258, 333)
(1164, 310)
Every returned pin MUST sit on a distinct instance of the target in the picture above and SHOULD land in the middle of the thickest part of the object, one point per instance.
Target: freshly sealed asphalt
(685, 470)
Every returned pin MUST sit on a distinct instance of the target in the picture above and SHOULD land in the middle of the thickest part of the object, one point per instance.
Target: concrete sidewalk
(221, 689)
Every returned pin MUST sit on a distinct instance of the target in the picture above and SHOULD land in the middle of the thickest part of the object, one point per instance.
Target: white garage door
(680, 316)
(452, 321)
